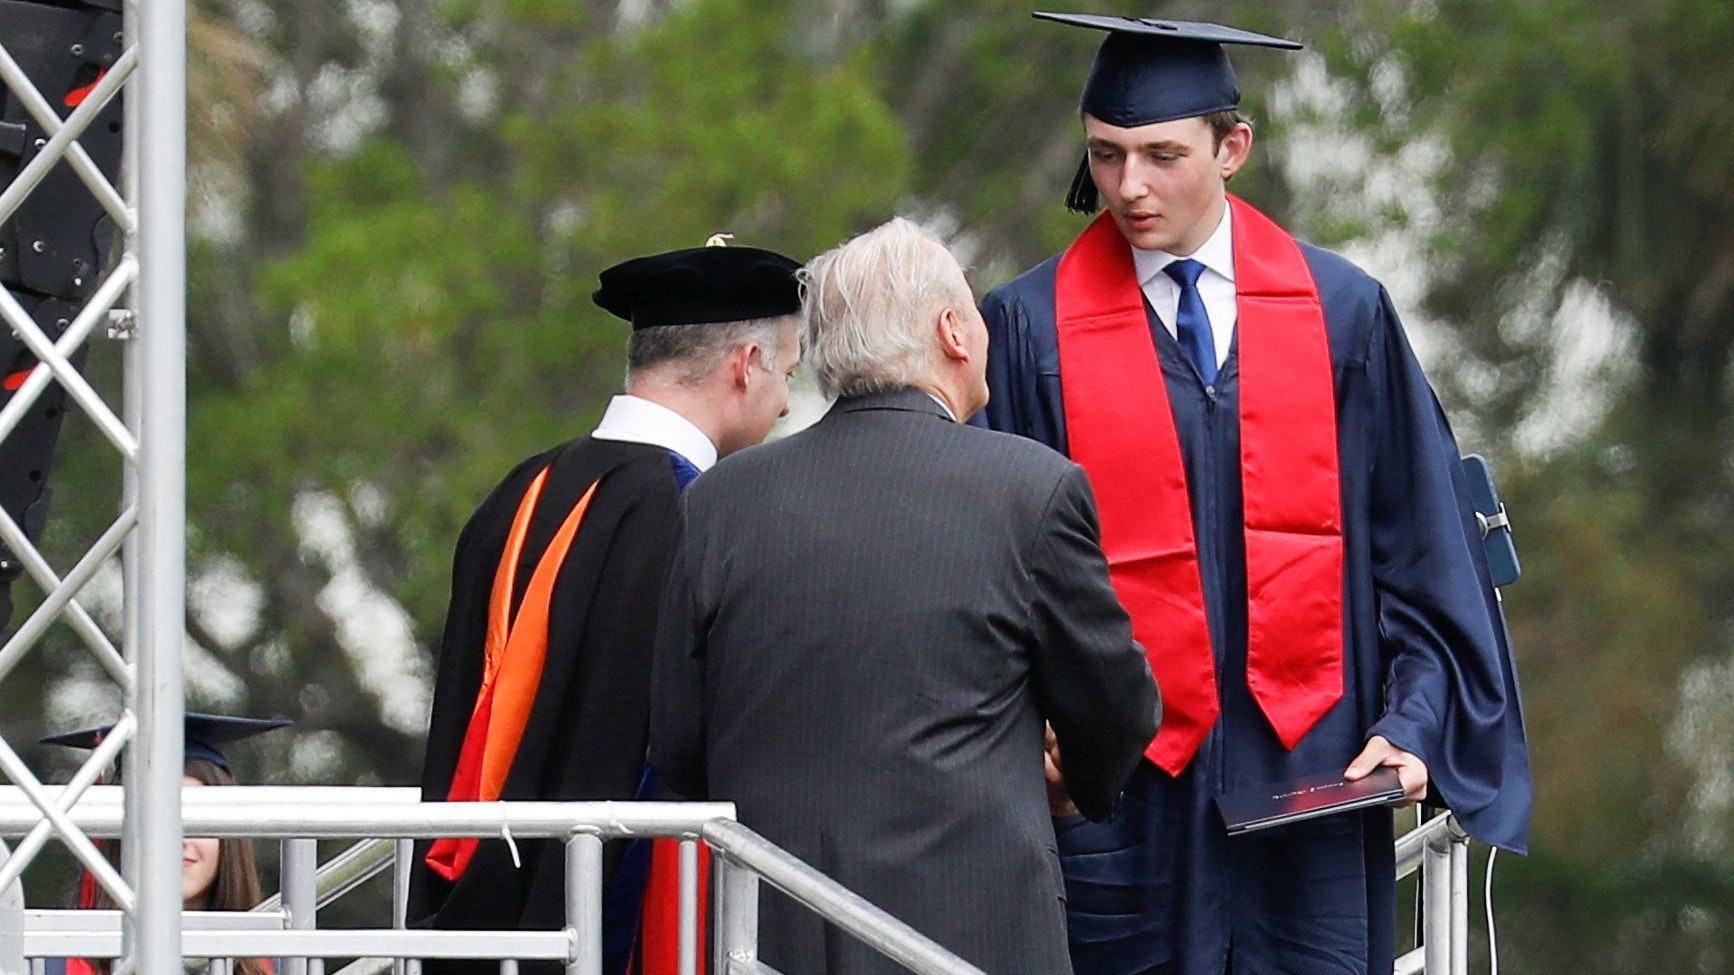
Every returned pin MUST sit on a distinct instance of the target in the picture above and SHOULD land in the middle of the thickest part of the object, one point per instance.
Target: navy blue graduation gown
(1161, 887)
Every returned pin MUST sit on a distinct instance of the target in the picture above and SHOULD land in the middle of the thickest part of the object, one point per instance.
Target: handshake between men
(872, 624)
(867, 632)
(892, 640)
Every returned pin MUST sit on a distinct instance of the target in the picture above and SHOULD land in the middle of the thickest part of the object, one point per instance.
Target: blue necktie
(1191, 321)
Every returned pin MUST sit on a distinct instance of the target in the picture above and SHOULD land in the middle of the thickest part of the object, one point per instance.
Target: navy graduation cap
(203, 733)
(1150, 70)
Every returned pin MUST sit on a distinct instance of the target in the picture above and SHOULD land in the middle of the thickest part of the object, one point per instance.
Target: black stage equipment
(55, 247)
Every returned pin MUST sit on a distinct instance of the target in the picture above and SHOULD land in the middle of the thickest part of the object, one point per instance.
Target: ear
(1236, 147)
(742, 361)
(951, 335)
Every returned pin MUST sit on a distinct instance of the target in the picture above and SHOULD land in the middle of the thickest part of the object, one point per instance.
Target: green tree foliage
(404, 310)
(441, 329)
(1589, 147)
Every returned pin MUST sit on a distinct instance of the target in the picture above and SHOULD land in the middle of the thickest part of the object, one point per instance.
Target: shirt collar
(942, 405)
(633, 419)
(1217, 254)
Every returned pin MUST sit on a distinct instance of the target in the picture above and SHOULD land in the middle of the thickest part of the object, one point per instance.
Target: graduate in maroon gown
(543, 686)
(1286, 519)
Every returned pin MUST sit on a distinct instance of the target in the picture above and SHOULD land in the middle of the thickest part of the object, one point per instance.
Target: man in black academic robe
(1421, 676)
(542, 690)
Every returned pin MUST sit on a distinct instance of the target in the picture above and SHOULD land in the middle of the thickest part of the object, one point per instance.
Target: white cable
(1487, 899)
(506, 834)
(608, 804)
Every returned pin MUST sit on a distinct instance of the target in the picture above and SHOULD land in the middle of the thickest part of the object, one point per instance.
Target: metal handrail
(1411, 846)
(836, 903)
(557, 946)
(1439, 849)
(62, 920)
(14, 798)
(389, 817)
(231, 816)
(11, 921)
(743, 858)
(343, 873)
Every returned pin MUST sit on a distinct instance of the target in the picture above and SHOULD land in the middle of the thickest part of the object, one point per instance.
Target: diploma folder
(1281, 803)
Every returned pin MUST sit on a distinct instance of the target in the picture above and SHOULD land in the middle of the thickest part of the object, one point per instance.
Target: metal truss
(142, 298)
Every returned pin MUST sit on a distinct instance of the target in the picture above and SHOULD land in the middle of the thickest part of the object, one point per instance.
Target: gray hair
(689, 353)
(867, 308)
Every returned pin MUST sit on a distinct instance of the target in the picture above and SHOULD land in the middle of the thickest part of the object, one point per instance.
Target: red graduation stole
(1120, 428)
(511, 672)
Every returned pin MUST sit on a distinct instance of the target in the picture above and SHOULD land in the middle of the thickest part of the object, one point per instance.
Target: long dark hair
(236, 886)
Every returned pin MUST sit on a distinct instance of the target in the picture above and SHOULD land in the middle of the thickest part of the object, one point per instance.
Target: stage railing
(1439, 849)
(300, 816)
(388, 820)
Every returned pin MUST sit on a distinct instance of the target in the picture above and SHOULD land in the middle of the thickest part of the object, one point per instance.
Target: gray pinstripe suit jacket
(867, 624)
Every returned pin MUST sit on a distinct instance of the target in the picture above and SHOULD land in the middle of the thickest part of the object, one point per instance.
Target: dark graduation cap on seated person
(1151, 70)
(713, 284)
(202, 734)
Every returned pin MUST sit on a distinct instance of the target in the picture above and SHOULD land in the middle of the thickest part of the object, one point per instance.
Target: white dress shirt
(942, 405)
(632, 419)
(1215, 285)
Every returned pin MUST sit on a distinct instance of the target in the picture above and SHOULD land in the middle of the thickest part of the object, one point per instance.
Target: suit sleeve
(1091, 677)
(1450, 684)
(677, 740)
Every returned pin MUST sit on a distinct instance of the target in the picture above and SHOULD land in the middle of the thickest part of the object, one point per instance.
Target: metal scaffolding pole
(156, 368)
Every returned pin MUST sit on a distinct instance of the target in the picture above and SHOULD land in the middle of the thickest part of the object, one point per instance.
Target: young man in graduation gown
(1287, 523)
(543, 686)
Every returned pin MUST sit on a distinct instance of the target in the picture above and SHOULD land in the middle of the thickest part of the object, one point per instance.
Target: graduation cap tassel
(1082, 198)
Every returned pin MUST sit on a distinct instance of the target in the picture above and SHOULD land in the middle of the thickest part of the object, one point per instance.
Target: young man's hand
(1060, 802)
(1411, 771)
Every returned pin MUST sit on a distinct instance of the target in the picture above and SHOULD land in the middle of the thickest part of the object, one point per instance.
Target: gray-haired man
(869, 622)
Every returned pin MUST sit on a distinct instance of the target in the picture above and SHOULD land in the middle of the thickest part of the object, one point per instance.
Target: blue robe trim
(623, 901)
(1160, 887)
(684, 470)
